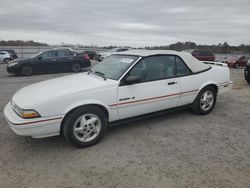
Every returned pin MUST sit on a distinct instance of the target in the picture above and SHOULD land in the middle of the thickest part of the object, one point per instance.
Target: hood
(54, 88)
(19, 60)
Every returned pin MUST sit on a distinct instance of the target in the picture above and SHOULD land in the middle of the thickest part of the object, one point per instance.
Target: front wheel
(85, 126)
(205, 101)
(26, 70)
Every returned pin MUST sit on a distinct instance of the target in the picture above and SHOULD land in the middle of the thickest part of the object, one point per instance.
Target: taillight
(85, 56)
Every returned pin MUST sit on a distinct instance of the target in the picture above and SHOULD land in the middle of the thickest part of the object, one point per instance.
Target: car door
(158, 88)
(189, 83)
(65, 59)
(47, 61)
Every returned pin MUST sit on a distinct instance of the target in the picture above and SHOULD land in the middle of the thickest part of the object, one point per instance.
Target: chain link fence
(27, 51)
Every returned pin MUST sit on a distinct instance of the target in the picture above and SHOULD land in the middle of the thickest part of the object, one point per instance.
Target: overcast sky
(128, 22)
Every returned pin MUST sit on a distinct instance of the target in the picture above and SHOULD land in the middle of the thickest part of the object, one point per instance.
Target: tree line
(21, 43)
(219, 48)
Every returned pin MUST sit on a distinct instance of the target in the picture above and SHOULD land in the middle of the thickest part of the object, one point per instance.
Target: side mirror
(132, 80)
(39, 58)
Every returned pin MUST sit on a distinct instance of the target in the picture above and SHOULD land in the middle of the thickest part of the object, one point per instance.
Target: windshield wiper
(101, 74)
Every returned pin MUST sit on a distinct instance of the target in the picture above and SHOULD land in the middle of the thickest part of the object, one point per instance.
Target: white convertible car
(124, 85)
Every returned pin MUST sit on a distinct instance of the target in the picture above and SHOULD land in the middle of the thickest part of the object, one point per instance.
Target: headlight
(12, 64)
(25, 113)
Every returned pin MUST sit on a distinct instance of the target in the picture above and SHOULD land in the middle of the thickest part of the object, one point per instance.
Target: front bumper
(36, 128)
(12, 69)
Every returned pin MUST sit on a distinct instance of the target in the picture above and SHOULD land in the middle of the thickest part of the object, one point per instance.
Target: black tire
(6, 60)
(73, 121)
(246, 76)
(76, 67)
(197, 105)
(26, 70)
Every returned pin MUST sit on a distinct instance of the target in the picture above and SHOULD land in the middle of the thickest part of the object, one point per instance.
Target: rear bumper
(36, 128)
(86, 63)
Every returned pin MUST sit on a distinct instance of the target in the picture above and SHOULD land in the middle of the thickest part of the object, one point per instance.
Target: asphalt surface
(178, 149)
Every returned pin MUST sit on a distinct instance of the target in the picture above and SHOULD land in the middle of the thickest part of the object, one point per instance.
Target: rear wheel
(85, 126)
(205, 101)
(76, 67)
(26, 70)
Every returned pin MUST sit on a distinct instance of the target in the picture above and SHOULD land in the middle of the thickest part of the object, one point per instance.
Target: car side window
(50, 54)
(203, 53)
(181, 68)
(64, 53)
(154, 68)
(196, 53)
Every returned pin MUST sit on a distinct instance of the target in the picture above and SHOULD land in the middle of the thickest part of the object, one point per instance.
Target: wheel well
(213, 86)
(72, 110)
(28, 64)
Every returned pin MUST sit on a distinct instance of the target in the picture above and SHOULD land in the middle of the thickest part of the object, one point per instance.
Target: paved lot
(179, 149)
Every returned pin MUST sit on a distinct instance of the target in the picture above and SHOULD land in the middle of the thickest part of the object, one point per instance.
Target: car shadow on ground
(147, 122)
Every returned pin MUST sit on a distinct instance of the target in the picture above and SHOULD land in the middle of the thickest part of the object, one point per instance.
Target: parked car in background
(123, 85)
(12, 53)
(110, 52)
(5, 57)
(227, 59)
(203, 55)
(247, 71)
(91, 54)
(239, 61)
(98, 57)
(56, 60)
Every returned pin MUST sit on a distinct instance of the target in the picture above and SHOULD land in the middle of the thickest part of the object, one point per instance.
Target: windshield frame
(36, 55)
(137, 58)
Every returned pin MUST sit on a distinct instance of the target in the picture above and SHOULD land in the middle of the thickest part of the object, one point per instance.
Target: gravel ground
(178, 149)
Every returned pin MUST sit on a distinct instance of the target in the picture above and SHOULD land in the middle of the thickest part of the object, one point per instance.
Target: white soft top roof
(194, 64)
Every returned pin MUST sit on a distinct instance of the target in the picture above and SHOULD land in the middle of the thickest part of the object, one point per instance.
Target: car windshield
(114, 66)
(35, 55)
(113, 50)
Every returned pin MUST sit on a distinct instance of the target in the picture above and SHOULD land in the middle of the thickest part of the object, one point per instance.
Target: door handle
(70, 58)
(53, 59)
(172, 83)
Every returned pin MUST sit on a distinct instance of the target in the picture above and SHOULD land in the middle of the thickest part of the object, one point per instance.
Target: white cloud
(135, 23)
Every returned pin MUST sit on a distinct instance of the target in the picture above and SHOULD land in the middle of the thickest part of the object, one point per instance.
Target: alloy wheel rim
(207, 100)
(76, 67)
(27, 70)
(87, 127)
